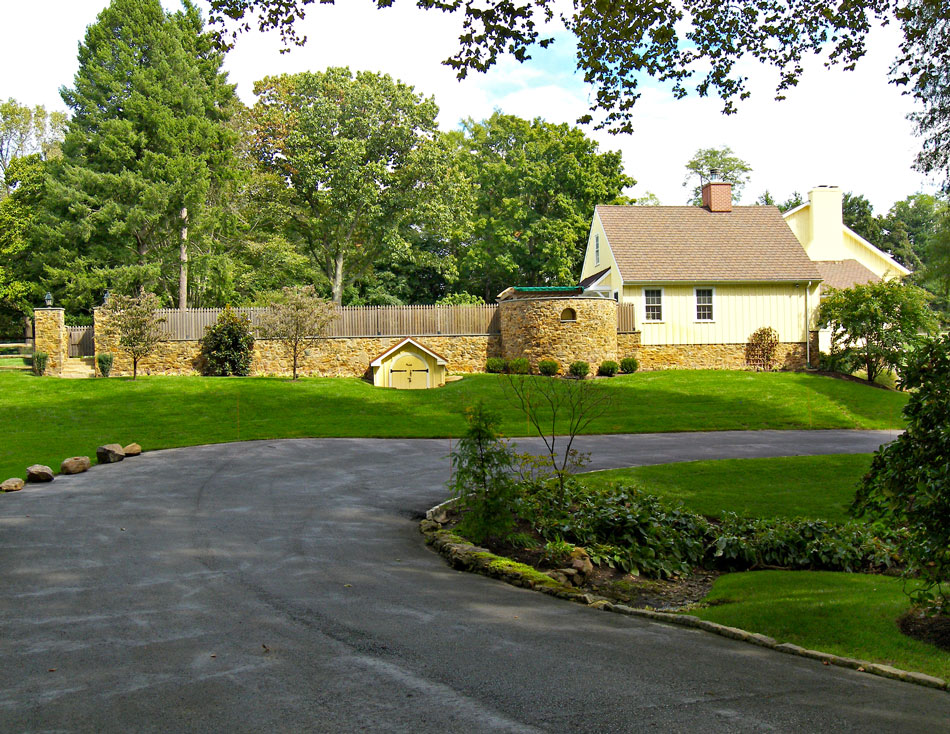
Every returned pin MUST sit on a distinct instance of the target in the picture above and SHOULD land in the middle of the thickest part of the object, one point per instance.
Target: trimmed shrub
(226, 345)
(579, 369)
(629, 365)
(495, 365)
(548, 367)
(39, 363)
(104, 361)
(608, 368)
(520, 366)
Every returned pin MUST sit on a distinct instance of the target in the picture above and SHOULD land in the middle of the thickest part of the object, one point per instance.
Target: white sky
(844, 128)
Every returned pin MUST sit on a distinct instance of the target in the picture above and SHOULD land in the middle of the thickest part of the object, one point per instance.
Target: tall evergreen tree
(145, 144)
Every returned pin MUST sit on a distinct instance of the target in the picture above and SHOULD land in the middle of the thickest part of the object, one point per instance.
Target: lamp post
(49, 299)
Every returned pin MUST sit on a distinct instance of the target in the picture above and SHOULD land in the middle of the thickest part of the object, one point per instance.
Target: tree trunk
(338, 279)
(135, 366)
(183, 261)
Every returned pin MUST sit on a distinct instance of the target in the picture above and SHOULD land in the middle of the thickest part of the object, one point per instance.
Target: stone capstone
(75, 465)
(133, 449)
(14, 484)
(109, 453)
(39, 473)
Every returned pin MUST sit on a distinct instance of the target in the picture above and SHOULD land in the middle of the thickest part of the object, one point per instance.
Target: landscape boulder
(133, 449)
(75, 465)
(14, 484)
(39, 473)
(110, 453)
(581, 562)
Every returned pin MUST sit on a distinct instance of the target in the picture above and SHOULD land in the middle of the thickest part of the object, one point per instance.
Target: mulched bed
(624, 588)
(933, 630)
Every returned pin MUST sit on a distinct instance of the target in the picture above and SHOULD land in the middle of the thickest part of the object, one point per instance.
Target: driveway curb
(463, 555)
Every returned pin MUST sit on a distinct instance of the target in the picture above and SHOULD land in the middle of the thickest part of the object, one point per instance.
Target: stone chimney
(717, 194)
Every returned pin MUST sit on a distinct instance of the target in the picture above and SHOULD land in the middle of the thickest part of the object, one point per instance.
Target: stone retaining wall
(335, 357)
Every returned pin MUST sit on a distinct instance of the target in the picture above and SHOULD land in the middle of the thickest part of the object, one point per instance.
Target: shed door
(409, 373)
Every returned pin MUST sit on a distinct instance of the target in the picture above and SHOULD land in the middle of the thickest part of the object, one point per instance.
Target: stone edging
(466, 556)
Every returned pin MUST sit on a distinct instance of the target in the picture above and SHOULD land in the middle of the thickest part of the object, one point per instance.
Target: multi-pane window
(596, 249)
(653, 304)
(704, 304)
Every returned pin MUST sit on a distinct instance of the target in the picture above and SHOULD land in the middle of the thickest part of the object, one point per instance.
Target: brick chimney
(717, 195)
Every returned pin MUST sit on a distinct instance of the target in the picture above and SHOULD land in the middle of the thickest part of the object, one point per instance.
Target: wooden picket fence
(357, 321)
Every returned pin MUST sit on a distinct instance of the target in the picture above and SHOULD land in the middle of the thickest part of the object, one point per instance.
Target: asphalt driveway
(284, 586)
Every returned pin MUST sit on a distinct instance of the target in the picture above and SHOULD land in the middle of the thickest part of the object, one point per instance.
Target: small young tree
(132, 323)
(761, 348)
(908, 486)
(556, 409)
(482, 476)
(298, 317)
(876, 324)
(226, 345)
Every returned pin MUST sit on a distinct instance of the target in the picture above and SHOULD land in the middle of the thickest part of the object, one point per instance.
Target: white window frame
(662, 304)
(712, 304)
(596, 249)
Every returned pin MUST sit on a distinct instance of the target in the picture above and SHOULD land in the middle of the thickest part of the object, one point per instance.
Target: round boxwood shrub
(520, 366)
(579, 369)
(226, 346)
(608, 368)
(548, 367)
(495, 365)
(104, 361)
(629, 365)
(39, 362)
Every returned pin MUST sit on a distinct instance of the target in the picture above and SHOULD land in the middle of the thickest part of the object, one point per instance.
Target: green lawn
(816, 487)
(846, 614)
(46, 419)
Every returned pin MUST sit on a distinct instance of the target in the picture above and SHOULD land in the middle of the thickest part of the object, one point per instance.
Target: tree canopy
(145, 141)
(687, 43)
(729, 167)
(362, 157)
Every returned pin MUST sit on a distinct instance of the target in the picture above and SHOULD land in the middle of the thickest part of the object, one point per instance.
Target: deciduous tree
(132, 323)
(876, 324)
(362, 155)
(298, 317)
(729, 167)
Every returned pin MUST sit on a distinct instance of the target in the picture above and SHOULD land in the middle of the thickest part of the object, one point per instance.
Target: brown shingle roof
(844, 274)
(670, 243)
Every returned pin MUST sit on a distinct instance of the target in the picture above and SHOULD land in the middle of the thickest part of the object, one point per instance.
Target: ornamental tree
(908, 486)
(874, 325)
(133, 324)
(298, 317)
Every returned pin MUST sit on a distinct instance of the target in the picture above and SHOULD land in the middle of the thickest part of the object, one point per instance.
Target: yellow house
(702, 279)
(409, 365)
(842, 256)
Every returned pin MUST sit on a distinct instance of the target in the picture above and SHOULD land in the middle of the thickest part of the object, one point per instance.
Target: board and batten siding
(738, 310)
(613, 279)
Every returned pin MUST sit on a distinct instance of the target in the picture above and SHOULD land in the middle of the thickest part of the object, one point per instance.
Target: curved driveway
(283, 586)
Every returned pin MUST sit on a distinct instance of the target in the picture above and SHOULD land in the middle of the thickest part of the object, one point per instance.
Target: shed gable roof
(844, 274)
(690, 243)
(439, 359)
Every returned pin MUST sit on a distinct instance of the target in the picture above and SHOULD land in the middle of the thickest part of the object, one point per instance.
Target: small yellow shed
(409, 366)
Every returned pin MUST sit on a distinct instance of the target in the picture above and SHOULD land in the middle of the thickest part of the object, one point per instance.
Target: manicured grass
(47, 419)
(852, 615)
(815, 487)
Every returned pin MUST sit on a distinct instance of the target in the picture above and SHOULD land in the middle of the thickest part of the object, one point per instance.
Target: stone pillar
(52, 338)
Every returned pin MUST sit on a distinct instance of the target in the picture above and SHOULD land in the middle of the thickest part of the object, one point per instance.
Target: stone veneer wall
(52, 337)
(336, 357)
(532, 328)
